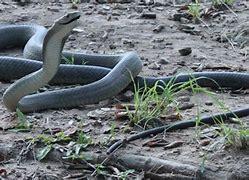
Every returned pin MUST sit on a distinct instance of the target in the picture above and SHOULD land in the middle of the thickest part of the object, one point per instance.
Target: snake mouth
(72, 20)
(68, 22)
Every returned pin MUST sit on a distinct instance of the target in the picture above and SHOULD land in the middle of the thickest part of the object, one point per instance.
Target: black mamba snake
(104, 75)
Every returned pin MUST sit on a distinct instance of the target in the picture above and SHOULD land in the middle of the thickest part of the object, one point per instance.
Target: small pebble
(185, 51)
(163, 61)
(158, 28)
(173, 144)
(112, 46)
(18, 174)
(184, 20)
(53, 9)
(22, 2)
(186, 105)
(161, 3)
(155, 66)
(181, 63)
(158, 40)
(148, 16)
(185, 26)
(149, 2)
(209, 103)
(129, 94)
(102, 12)
(128, 42)
(183, 99)
(205, 142)
(178, 16)
(169, 44)
(116, 14)
(107, 8)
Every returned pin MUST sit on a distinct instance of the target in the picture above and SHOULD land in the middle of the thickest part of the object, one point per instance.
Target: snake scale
(102, 77)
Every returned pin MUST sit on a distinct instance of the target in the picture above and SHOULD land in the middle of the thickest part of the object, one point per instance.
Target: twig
(107, 158)
(236, 15)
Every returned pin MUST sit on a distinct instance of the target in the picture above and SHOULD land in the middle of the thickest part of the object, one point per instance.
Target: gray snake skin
(101, 77)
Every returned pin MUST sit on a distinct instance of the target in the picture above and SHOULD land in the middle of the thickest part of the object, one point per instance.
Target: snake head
(68, 18)
(57, 34)
(62, 27)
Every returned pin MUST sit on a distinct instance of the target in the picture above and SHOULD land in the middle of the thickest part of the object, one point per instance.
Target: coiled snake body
(105, 75)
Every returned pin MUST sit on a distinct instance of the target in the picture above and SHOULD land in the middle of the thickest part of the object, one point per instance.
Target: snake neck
(52, 47)
(51, 53)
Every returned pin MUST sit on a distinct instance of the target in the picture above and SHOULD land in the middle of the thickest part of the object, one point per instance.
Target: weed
(194, 10)
(217, 3)
(43, 151)
(238, 138)
(68, 60)
(112, 133)
(23, 124)
(100, 169)
(74, 2)
(110, 137)
(203, 162)
(47, 140)
(235, 137)
(82, 142)
(83, 139)
(149, 104)
(61, 137)
(152, 102)
(124, 175)
(72, 60)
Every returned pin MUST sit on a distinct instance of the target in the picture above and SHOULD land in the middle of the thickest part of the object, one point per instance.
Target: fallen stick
(131, 161)
(149, 164)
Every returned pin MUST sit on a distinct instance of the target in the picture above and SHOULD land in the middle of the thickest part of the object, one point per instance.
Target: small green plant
(124, 175)
(217, 3)
(71, 60)
(203, 162)
(82, 142)
(100, 169)
(157, 100)
(194, 10)
(61, 137)
(149, 103)
(68, 60)
(42, 138)
(238, 138)
(47, 141)
(74, 2)
(110, 137)
(23, 124)
(112, 132)
(83, 139)
(43, 152)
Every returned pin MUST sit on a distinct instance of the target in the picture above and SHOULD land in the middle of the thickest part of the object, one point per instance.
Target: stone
(158, 28)
(148, 15)
(185, 51)
(163, 61)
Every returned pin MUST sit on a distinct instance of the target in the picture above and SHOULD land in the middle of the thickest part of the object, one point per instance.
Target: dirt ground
(154, 30)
